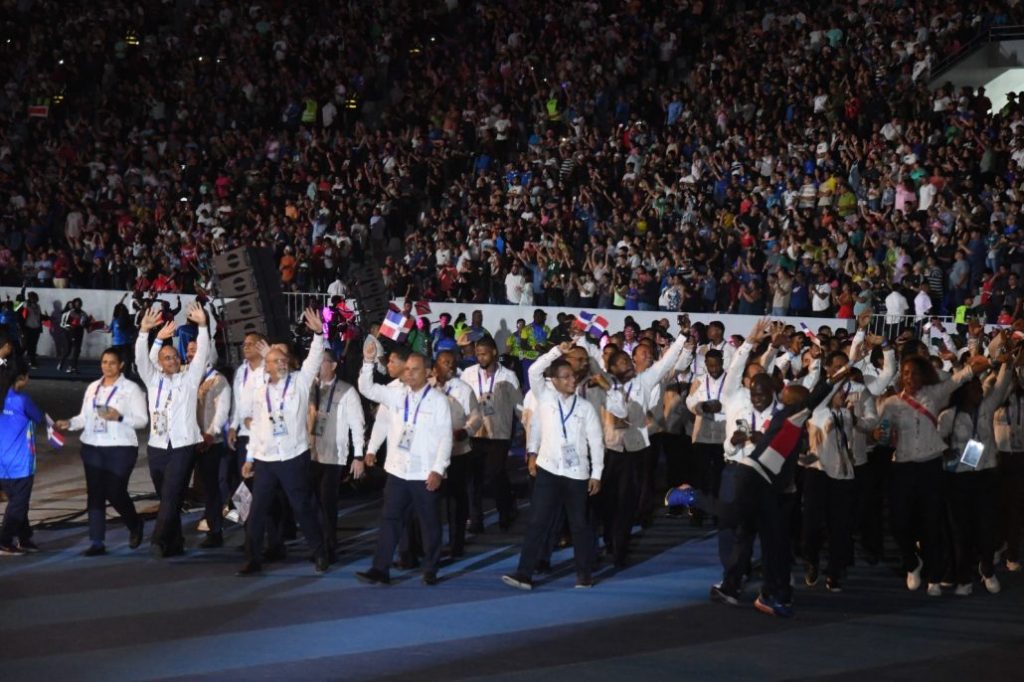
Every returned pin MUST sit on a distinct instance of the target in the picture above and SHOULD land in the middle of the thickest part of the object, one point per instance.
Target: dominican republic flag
(53, 435)
(595, 325)
(38, 111)
(396, 326)
(809, 334)
(422, 308)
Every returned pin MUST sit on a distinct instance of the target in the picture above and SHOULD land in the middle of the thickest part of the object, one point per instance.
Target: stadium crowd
(696, 155)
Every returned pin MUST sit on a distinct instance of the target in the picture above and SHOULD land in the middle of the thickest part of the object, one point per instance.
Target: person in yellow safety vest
(514, 343)
(309, 112)
(552, 108)
(962, 312)
(534, 336)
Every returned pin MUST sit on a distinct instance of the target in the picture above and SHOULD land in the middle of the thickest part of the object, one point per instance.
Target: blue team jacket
(18, 435)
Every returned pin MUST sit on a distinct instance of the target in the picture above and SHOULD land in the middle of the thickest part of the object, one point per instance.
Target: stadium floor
(127, 616)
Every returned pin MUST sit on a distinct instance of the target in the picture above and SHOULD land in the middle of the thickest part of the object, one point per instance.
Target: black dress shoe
(174, 550)
(373, 577)
(212, 541)
(430, 579)
(274, 554)
(322, 563)
(95, 550)
(135, 536)
(250, 568)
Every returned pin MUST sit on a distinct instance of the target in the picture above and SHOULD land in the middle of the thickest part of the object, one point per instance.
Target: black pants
(456, 493)
(399, 496)
(1011, 502)
(208, 465)
(326, 482)
(915, 514)
(292, 476)
(618, 500)
(871, 481)
(32, 343)
(73, 349)
(677, 453)
(170, 470)
(828, 506)
(19, 492)
(107, 470)
(750, 507)
(488, 473)
(972, 503)
(648, 467)
(552, 494)
(708, 461)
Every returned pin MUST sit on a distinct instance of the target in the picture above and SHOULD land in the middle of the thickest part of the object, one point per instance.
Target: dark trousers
(972, 503)
(677, 452)
(399, 496)
(708, 461)
(209, 465)
(170, 470)
(751, 508)
(488, 473)
(915, 514)
(1011, 502)
(871, 485)
(107, 470)
(648, 467)
(618, 500)
(18, 491)
(32, 343)
(456, 493)
(552, 494)
(326, 482)
(74, 347)
(828, 506)
(293, 477)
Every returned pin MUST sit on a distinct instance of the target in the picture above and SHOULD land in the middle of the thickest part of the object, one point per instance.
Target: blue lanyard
(415, 415)
(844, 441)
(753, 413)
(480, 382)
(330, 396)
(109, 397)
(245, 375)
(287, 383)
(721, 385)
(207, 375)
(159, 391)
(565, 417)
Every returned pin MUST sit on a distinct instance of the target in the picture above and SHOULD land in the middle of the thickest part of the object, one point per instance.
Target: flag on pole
(595, 325)
(809, 334)
(396, 326)
(53, 435)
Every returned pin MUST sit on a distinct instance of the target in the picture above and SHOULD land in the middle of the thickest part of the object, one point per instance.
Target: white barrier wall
(500, 320)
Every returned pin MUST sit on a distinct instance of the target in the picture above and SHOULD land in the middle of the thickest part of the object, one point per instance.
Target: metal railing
(985, 36)
(880, 323)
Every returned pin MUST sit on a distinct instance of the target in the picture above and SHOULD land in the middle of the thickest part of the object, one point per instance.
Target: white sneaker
(991, 582)
(914, 577)
(1013, 566)
(964, 590)
(935, 590)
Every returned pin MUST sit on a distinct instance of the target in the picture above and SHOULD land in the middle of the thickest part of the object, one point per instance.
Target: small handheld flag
(396, 326)
(593, 324)
(54, 436)
(809, 334)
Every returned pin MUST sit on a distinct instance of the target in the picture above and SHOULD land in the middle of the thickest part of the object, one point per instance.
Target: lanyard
(974, 425)
(160, 390)
(287, 382)
(109, 397)
(753, 414)
(330, 396)
(245, 375)
(565, 417)
(207, 375)
(721, 385)
(480, 382)
(844, 441)
(416, 415)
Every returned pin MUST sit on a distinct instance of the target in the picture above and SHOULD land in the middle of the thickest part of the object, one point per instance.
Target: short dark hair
(556, 365)
(713, 353)
(401, 352)
(487, 342)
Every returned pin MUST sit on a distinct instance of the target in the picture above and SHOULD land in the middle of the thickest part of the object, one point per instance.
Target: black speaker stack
(248, 278)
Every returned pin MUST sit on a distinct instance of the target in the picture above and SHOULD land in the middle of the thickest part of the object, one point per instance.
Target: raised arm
(541, 364)
(659, 370)
(197, 368)
(148, 370)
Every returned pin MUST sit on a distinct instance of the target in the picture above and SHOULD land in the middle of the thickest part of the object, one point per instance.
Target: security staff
(336, 417)
(112, 409)
(173, 428)
(279, 449)
(419, 451)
